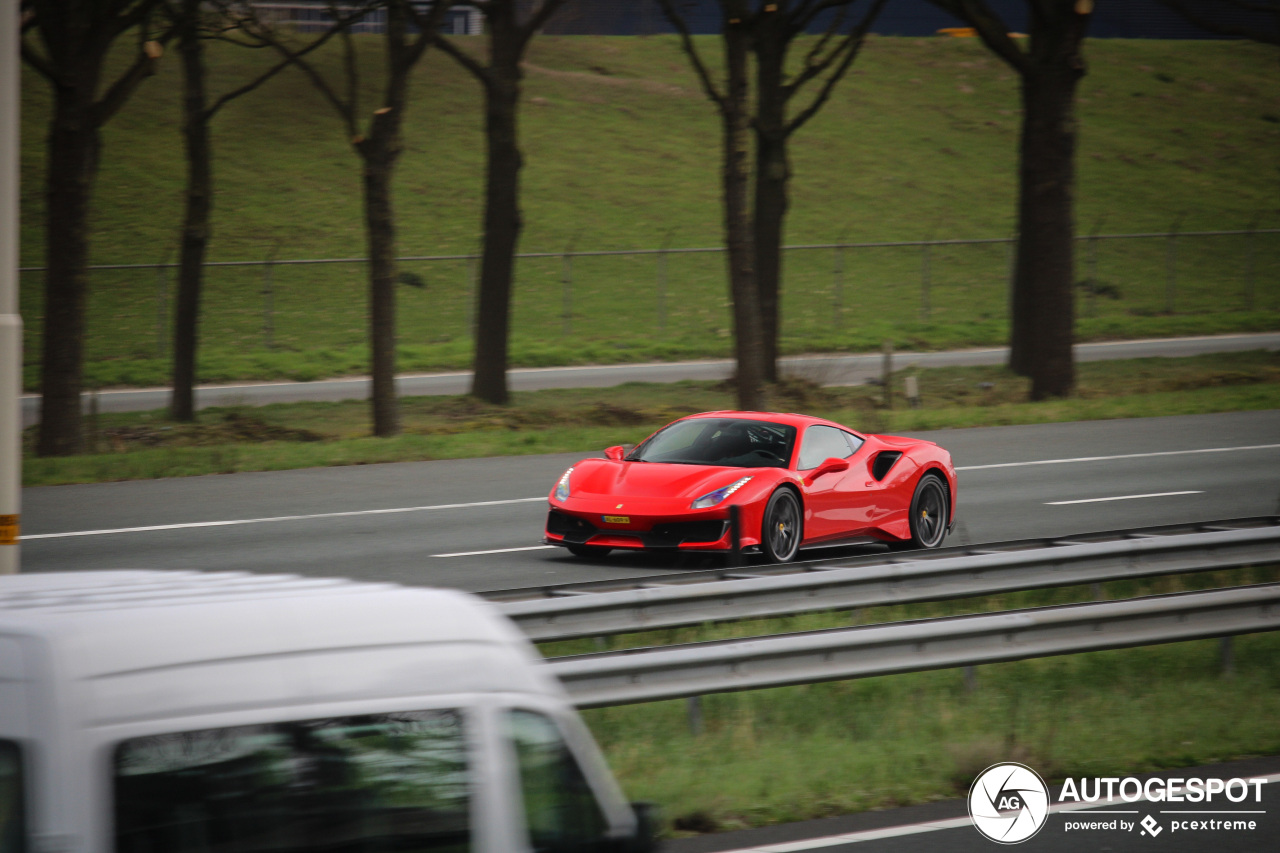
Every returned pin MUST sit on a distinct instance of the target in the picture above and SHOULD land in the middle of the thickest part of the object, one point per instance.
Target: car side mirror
(830, 466)
(615, 453)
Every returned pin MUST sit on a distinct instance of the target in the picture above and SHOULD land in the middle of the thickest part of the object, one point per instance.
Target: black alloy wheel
(588, 551)
(929, 512)
(781, 533)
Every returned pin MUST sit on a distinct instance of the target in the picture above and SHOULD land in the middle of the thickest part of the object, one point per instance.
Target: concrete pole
(10, 322)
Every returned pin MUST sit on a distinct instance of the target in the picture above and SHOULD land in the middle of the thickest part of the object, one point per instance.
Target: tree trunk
(773, 172)
(1043, 311)
(502, 224)
(380, 232)
(73, 164)
(195, 227)
(737, 223)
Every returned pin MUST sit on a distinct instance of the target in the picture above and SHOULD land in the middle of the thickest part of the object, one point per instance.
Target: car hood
(607, 478)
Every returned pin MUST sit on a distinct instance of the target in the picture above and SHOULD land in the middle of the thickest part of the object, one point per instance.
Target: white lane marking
(928, 826)
(1121, 498)
(496, 551)
(235, 521)
(1120, 456)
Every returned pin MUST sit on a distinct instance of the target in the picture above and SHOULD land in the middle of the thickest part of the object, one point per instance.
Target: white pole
(10, 322)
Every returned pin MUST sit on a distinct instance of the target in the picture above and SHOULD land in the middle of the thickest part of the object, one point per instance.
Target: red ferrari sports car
(797, 481)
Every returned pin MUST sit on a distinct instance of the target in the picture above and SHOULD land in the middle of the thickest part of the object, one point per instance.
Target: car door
(832, 498)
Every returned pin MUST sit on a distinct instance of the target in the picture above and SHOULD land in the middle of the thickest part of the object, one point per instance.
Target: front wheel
(781, 533)
(588, 551)
(929, 513)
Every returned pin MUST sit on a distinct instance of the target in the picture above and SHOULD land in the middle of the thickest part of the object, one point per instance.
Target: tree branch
(686, 41)
(38, 62)
(991, 29)
(538, 20)
(468, 62)
(852, 45)
(1237, 31)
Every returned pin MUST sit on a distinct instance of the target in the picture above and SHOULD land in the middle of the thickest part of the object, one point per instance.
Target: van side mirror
(646, 837)
(615, 453)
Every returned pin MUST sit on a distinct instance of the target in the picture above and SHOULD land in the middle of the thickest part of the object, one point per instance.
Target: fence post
(924, 279)
(1226, 657)
(1092, 308)
(269, 298)
(162, 303)
(472, 289)
(886, 374)
(567, 278)
(1013, 272)
(662, 281)
(695, 715)
(837, 272)
(1249, 254)
(1171, 265)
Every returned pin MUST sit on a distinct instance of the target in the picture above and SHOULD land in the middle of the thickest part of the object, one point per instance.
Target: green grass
(145, 445)
(621, 152)
(796, 753)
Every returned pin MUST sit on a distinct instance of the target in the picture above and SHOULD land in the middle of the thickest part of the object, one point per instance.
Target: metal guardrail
(646, 675)
(832, 587)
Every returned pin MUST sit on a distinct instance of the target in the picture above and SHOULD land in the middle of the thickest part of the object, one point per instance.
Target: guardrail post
(473, 289)
(735, 536)
(1249, 255)
(837, 272)
(94, 432)
(1226, 657)
(694, 704)
(1092, 298)
(567, 277)
(970, 679)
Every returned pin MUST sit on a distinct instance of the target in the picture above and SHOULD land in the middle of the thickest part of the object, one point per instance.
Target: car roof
(790, 418)
(174, 643)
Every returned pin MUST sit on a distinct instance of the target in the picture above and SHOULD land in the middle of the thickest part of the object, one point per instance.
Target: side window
(12, 833)
(822, 443)
(373, 783)
(560, 810)
(854, 441)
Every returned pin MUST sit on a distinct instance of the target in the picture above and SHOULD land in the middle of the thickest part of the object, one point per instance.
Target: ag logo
(1008, 803)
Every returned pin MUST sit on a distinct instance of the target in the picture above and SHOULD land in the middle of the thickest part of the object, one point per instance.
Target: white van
(167, 712)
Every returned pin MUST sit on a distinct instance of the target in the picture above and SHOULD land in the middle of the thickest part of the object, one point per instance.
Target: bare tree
(511, 25)
(1256, 20)
(1043, 313)
(196, 22)
(774, 27)
(731, 99)
(68, 46)
(378, 145)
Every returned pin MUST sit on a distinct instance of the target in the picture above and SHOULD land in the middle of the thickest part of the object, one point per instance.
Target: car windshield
(731, 442)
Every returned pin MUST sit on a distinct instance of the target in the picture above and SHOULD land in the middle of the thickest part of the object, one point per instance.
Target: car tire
(588, 551)
(929, 513)
(783, 527)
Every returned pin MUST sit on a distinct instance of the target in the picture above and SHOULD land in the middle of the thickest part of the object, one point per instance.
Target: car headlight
(713, 498)
(562, 487)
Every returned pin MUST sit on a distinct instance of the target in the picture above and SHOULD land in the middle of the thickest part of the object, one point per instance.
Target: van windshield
(371, 783)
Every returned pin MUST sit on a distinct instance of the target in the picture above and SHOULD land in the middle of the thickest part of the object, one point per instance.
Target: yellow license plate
(617, 519)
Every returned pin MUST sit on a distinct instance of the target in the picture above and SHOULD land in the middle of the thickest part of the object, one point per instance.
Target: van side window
(376, 782)
(12, 833)
(560, 810)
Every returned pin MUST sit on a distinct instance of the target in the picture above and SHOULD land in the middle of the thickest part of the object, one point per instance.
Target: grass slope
(622, 153)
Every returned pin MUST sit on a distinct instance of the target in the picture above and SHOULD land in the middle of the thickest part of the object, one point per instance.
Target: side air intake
(884, 461)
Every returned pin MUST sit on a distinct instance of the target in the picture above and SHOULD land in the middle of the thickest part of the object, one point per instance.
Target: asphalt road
(475, 524)
(826, 369)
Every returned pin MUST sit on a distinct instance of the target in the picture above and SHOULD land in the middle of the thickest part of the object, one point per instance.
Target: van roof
(145, 644)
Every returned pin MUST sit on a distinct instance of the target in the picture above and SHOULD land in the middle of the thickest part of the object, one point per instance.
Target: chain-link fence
(580, 305)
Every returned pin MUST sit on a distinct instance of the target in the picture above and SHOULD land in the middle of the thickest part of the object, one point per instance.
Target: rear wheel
(588, 550)
(929, 513)
(781, 533)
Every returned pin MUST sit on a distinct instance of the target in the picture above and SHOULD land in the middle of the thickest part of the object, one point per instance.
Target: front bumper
(706, 534)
